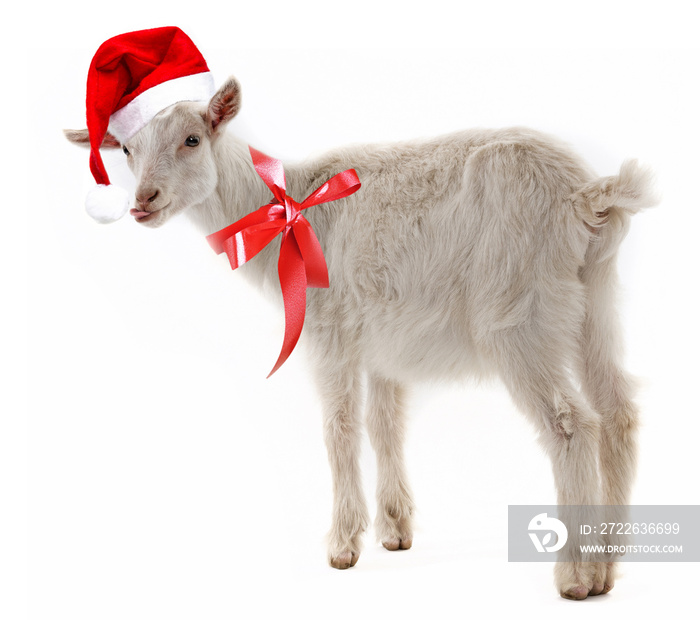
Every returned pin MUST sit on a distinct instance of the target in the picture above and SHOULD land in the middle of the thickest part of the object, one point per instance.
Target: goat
(485, 252)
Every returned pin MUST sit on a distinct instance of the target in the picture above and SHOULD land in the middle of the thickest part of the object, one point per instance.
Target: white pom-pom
(107, 203)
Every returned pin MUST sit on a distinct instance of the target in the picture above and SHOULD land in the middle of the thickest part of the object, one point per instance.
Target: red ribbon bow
(301, 262)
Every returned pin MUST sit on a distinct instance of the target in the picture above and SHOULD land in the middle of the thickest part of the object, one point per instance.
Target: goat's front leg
(339, 390)
(385, 423)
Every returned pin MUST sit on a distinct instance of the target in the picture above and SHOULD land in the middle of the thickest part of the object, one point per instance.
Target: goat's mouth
(144, 216)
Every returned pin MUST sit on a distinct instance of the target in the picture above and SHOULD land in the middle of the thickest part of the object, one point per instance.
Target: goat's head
(171, 157)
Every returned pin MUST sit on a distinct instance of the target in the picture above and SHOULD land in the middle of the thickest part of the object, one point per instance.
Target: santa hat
(132, 77)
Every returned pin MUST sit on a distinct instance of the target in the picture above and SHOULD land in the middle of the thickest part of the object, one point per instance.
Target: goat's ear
(81, 137)
(224, 105)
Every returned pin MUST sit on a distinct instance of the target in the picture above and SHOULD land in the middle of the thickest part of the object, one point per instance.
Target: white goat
(476, 253)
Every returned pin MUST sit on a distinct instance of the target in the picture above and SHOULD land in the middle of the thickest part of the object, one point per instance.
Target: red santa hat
(132, 77)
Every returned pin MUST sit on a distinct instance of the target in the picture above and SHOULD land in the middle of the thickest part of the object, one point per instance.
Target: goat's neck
(241, 191)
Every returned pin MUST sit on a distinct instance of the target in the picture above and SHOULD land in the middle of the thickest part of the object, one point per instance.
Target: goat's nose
(146, 197)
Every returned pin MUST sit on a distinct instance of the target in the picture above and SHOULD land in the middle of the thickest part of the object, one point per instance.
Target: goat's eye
(126, 150)
(192, 141)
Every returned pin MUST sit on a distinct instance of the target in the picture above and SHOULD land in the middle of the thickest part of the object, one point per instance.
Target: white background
(166, 477)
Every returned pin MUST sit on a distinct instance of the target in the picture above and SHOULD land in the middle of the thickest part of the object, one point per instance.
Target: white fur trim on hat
(136, 114)
(107, 203)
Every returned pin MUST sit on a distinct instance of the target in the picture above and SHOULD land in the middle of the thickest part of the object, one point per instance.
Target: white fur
(136, 114)
(485, 252)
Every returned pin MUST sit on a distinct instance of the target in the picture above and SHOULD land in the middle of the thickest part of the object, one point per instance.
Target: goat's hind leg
(385, 423)
(610, 391)
(569, 432)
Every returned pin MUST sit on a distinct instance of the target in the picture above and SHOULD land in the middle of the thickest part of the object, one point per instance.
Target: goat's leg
(569, 431)
(339, 391)
(386, 426)
(610, 392)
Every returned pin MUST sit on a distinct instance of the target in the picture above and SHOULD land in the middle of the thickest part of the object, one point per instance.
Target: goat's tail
(628, 192)
(605, 206)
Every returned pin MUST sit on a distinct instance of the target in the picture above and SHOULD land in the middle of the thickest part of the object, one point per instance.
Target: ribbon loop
(301, 262)
(272, 172)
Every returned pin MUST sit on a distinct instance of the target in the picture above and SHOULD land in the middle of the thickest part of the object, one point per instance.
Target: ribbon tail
(310, 248)
(339, 186)
(292, 274)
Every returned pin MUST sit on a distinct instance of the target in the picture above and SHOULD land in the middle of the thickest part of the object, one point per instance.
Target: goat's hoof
(598, 588)
(581, 592)
(575, 578)
(577, 593)
(394, 544)
(344, 560)
(605, 582)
